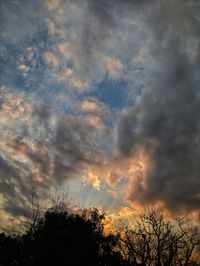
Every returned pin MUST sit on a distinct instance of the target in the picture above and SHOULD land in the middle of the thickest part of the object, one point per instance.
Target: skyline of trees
(60, 236)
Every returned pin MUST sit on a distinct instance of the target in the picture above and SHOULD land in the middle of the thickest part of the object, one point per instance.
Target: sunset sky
(101, 98)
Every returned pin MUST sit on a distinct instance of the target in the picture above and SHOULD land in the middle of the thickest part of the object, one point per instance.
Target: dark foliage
(61, 238)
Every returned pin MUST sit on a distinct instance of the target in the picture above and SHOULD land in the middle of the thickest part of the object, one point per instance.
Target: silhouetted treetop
(62, 237)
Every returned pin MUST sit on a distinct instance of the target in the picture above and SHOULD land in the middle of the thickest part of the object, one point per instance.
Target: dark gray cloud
(75, 145)
(20, 19)
(71, 143)
(165, 119)
(14, 188)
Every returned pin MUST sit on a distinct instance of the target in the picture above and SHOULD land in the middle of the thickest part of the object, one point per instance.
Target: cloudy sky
(101, 97)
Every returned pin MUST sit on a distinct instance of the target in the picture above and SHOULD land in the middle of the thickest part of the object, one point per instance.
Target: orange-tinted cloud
(113, 66)
(69, 75)
(51, 59)
(65, 49)
(53, 4)
(14, 106)
(18, 149)
(89, 106)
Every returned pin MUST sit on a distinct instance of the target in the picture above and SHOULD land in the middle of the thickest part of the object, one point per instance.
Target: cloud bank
(104, 92)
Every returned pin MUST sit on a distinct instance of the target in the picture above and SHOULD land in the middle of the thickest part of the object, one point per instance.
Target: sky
(101, 98)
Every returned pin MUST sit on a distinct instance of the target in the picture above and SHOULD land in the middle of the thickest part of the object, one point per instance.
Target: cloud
(89, 35)
(72, 78)
(40, 150)
(65, 49)
(76, 144)
(51, 59)
(95, 121)
(24, 23)
(52, 4)
(56, 123)
(18, 152)
(89, 105)
(24, 68)
(114, 67)
(165, 118)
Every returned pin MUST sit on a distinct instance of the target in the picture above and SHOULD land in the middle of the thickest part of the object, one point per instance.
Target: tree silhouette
(9, 250)
(67, 237)
(62, 237)
(157, 241)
